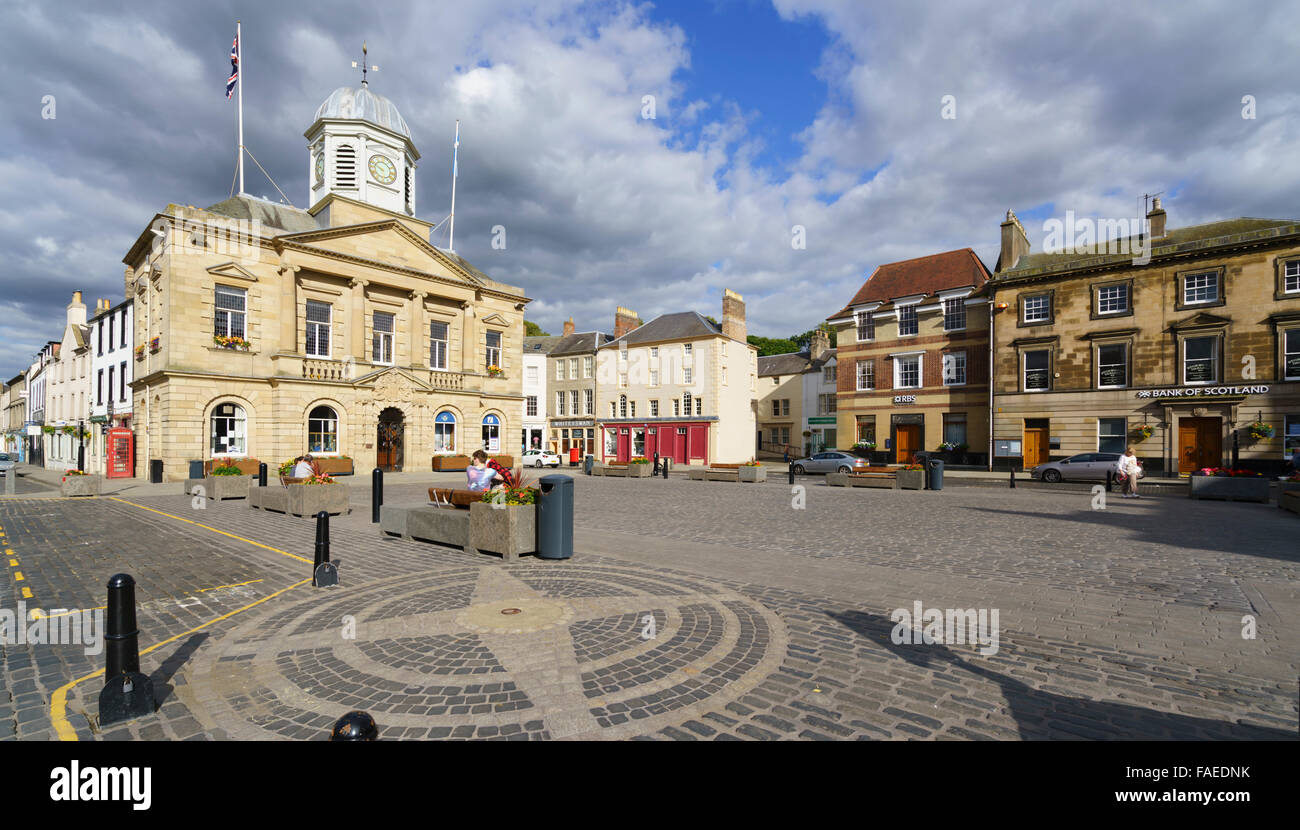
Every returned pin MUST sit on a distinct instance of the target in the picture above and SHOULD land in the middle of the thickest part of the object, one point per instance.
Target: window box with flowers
(496, 371)
(155, 345)
(1229, 484)
(236, 344)
(78, 483)
(139, 352)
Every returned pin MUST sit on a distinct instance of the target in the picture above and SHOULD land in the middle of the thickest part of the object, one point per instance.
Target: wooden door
(1200, 443)
(907, 442)
(1035, 447)
(699, 443)
(624, 444)
(388, 453)
(679, 446)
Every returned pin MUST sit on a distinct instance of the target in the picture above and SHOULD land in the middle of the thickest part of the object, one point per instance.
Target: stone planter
(639, 470)
(1284, 487)
(335, 466)
(310, 499)
(506, 530)
(269, 498)
(81, 485)
(752, 473)
(220, 487)
(911, 479)
(246, 466)
(1231, 488)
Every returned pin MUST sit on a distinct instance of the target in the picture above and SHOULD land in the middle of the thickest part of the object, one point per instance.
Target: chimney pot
(733, 315)
(625, 320)
(1156, 219)
(1015, 243)
(568, 327)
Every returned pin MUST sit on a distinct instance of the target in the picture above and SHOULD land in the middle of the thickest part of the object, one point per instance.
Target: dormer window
(907, 324)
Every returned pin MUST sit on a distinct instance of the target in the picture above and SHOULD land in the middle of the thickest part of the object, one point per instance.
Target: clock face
(320, 168)
(382, 169)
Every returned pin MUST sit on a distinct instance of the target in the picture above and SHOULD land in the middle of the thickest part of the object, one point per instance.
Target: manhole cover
(511, 611)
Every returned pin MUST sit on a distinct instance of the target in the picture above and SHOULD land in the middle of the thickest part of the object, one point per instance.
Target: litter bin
(196, 469)
(155, 471)
(934, 474)
(555, 517)
(590, 460)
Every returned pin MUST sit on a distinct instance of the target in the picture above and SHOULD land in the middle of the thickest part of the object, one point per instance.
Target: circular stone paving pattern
(520, 651)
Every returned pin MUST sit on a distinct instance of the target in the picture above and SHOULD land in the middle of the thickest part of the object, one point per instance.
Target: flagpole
(451, 233)
(239, 52)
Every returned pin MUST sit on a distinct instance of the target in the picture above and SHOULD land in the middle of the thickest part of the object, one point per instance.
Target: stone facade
(1196, 344)
(354, 280)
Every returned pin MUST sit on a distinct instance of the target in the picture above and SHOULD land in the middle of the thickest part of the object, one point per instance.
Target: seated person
(480, 475)
(507, 477)
(305, 467)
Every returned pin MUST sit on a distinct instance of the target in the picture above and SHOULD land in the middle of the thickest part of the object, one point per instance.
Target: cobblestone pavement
(692, 610)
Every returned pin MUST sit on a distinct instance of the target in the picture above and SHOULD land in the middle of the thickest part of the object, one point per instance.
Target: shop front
(571, 434)
(684, 442)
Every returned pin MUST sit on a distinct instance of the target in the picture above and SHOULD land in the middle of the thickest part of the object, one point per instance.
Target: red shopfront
(683, 442)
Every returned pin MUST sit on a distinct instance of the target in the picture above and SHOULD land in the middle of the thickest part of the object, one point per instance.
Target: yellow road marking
(18, 576)
(214, 530)
(37, 615)
(59, 701)
(27, 593)
(13, 563)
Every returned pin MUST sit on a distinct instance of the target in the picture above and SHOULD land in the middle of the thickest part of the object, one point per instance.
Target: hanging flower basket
(139, 352)
(1259, 431)
(1143, 432)
(155, 344)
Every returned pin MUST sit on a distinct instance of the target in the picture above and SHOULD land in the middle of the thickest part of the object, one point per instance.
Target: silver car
(6, 463)
(1088, 466)
(830, 461)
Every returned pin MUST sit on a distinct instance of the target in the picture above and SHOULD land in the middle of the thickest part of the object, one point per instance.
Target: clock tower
(359, 146)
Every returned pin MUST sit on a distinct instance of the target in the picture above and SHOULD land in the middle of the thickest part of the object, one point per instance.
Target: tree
(772, 345)
(805, 338)
(531, 329)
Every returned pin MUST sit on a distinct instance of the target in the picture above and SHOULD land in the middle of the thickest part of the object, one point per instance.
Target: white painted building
(112, 369)
(67, 391)
(534, 391)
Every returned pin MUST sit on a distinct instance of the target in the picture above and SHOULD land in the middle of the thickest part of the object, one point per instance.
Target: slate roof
(541, 344)
(924, 276)
(681, 325)
(270, 214)
(792, 363)
(582, 342)
(1176, 240)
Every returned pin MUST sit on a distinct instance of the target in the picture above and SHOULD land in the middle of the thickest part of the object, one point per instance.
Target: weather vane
(363, 65)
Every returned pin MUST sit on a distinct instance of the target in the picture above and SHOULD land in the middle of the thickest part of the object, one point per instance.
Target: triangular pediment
(1201, 321)
(232, 270)
(386, 243)
(389, 376)
(496, 320)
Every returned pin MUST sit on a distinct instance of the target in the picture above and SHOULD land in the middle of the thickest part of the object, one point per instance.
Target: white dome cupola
(359, 146)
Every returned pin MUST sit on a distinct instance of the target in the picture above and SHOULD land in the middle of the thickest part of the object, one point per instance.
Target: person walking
(1130, 468)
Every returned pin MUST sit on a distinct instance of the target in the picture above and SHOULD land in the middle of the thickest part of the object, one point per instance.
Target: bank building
(264, 331)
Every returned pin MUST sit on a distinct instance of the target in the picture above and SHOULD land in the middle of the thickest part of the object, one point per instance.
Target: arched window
(491, 434)
(444, 433)
(345, 167)
(322, 430)
(622, 406)
(229, 430)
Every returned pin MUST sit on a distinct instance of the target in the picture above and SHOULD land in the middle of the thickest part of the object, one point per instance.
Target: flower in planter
(231, 342)
(511, 497)
(914, 468)
(495, 371)
(640, 459)
(865, 445)
(319, 478)
(1227, 472)
(751, 463)
(1259, 431)
(227, 469)
(287, 467)
(74, 473)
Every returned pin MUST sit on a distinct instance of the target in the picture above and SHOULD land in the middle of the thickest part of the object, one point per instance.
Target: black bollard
(656, 469)
(665, 468)
(261, 474)
(324, 574)
(376, 494)
(127, 693)
(791, 472)
(1013, 478)
(1110, 481)
(355, 726)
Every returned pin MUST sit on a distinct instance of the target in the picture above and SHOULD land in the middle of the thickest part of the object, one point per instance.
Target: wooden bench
(727, 472)
(883, 480)
(457, 498)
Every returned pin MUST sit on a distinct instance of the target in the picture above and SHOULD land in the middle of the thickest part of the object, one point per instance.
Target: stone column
(417, 327)
(358, 334)
(288, 309)
(467, 334)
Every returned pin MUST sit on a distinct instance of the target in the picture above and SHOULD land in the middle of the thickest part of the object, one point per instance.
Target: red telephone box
(121, 453)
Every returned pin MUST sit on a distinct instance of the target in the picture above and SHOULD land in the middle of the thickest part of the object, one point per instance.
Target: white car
(540, 458)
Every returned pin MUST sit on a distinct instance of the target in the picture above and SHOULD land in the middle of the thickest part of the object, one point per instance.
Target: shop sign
(1202, 391)
(905, 399)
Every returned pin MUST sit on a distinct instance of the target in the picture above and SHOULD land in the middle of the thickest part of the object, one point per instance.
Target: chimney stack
(820, 343)
(733, 315)
(1156, 220)
(625, 319)
(76, 310)
(1014, 243)
(568, 327)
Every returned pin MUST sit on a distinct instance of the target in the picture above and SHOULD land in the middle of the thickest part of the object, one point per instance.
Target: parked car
(540, 458)
(6, 463)
(1088, 466)
(830, 461)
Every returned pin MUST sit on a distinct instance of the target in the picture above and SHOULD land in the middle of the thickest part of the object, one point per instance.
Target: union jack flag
(234, 68)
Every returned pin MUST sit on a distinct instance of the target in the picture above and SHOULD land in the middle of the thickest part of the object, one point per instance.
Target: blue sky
(820, 115)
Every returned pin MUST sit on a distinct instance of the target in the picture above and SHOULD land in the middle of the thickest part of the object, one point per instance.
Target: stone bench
(220, 487)
(623, 469)
(887, 481)
(508, 531)
(427, 523)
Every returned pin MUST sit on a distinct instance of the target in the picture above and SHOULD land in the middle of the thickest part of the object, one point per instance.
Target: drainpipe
(991, 342)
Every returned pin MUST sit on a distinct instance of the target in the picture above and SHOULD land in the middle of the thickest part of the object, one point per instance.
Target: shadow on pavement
(1041, 715)
(165, 672)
